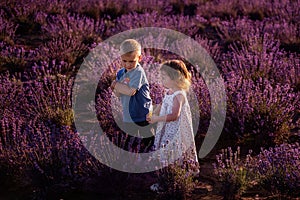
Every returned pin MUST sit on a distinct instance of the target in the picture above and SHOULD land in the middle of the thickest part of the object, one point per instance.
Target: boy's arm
(112, 86)
(122, 88)
(116, 93)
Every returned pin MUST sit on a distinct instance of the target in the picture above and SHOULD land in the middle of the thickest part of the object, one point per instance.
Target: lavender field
(255, 45)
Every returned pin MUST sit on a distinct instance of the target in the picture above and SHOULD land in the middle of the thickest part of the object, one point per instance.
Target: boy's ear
(140, 58)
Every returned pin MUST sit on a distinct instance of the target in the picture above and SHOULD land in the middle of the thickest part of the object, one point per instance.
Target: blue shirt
(136, 107)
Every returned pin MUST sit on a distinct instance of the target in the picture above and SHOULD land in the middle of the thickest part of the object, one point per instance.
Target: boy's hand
(148, 117)
(113, 88)
(113, 85)
(152, 119)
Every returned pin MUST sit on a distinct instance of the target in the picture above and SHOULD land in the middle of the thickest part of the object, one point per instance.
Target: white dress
(175, 139)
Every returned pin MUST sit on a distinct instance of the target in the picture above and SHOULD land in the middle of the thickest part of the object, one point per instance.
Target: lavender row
(273, 171)
(255, 45)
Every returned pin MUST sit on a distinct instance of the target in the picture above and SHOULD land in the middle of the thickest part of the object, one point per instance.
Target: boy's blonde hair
(129, 46)
(177, 71)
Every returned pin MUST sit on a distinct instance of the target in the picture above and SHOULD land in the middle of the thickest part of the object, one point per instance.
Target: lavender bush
(38, 147)
(176, 182)
(16, 59)
(274, 170)
(255, 70)
(49, 96)
(84, 28)
(261, 112)
(7, 28)
(278, 169)
(235, 173)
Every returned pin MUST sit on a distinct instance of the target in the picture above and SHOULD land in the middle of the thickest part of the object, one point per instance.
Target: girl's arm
(176, 109)
(156, 111)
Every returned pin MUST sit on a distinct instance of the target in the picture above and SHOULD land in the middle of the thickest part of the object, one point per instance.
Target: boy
(132, 86)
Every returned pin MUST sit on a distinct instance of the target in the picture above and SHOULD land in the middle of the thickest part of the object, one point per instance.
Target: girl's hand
(152, 119)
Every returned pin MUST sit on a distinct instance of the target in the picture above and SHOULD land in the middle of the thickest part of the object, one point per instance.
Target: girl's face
(166, 80)
(130, 60)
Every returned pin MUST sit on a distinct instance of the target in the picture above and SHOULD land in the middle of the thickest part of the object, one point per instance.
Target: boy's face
(130, 60)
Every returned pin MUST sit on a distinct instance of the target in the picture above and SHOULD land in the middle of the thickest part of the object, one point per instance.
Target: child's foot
(196, 173)
(156, 188)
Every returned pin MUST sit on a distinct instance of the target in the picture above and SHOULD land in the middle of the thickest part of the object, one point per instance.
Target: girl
(174, 128)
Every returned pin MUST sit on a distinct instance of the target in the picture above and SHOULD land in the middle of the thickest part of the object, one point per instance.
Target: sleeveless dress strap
(179, 92)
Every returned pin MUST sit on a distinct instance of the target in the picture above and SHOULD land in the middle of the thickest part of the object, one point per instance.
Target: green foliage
(60, 116)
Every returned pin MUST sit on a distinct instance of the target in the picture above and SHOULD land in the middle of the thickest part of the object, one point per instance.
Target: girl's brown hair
(177, 71)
